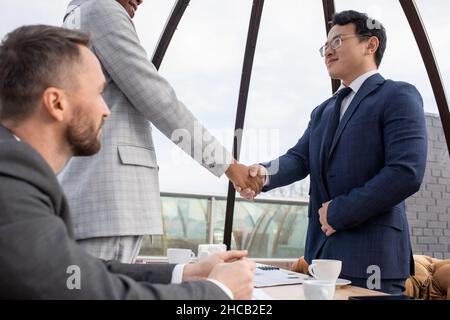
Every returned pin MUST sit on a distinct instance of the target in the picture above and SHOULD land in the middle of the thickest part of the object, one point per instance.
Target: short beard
(82, 139)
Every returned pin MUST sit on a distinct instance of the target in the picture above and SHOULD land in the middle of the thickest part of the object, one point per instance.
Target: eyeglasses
(337, 43)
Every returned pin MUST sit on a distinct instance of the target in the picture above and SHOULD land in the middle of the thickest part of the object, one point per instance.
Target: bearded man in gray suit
(51, 108)
(120, 184)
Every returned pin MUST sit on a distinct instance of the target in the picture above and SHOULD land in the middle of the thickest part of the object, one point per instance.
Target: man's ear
(372, 45)
(55, 103)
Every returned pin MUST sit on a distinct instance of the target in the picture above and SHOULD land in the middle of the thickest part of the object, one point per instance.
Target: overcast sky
(204, 64)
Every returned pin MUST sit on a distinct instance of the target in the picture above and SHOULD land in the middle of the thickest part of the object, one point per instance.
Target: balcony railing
(267, 228)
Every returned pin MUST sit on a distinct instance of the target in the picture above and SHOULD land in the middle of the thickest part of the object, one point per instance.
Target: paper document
(267, 276)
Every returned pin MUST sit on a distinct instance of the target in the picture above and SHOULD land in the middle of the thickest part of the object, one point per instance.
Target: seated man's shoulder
(21, 161)
(12, 149)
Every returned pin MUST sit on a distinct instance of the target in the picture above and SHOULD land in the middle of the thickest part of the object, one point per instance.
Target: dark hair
(33, 58)
(364, 26)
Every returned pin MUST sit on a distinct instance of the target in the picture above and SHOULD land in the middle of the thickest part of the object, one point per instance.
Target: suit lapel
(329, 106)
(368, 87)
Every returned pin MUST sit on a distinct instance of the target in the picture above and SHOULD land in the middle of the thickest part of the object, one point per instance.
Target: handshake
(247, 180)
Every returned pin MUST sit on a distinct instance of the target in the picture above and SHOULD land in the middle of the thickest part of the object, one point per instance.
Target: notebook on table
(270, 276)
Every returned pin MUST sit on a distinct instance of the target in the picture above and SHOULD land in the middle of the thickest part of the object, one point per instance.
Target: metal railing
(267, 227)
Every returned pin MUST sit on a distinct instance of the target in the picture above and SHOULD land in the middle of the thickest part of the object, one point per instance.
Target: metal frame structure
(169, 30)
(413, 16)
(328, 11)
(252, 37)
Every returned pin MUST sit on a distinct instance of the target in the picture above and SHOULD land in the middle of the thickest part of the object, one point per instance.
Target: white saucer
(339, 282)
(342, 282)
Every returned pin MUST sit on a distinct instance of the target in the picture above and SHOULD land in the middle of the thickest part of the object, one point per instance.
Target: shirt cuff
(223, 287)
(266, 176)
(177, 277)
(177, 274)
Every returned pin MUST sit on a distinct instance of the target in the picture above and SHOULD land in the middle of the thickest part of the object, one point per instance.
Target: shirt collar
(358, 82)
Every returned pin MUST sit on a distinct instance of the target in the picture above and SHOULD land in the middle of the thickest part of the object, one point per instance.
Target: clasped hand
(247, 180)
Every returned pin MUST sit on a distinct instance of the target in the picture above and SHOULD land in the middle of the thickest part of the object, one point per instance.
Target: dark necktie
(333, 123)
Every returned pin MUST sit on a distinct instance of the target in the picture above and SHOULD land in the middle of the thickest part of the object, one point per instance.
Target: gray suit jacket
(116, 192)
(37, 247)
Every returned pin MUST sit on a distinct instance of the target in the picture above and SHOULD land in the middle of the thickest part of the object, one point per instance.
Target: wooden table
(295, 292)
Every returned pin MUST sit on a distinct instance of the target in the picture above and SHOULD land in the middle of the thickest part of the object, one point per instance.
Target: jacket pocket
(137, 156)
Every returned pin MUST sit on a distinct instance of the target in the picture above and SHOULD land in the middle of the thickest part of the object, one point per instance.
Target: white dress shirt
(355, 86)
(177, 277)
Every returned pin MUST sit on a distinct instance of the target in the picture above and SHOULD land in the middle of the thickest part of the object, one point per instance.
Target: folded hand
(202, 269)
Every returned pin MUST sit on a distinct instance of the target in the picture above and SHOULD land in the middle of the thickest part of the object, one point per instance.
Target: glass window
(266, 228)
(438, 27)
(270, 229)
(203, 64)
(186, 224)
(289, 80)
(436, 184)
(150, 20)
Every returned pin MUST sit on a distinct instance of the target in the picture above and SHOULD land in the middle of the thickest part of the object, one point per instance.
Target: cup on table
(205, 250)
(177, 256)
(327, 270)
(318, 289)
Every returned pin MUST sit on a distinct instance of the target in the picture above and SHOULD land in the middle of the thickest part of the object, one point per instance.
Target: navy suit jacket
(377, 160)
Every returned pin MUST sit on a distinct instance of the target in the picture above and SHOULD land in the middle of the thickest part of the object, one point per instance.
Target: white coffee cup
(327, 270)
(318, 289)
(177, 256)
(205, 250)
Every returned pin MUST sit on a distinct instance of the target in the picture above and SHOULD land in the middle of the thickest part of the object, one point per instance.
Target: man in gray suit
(51, 108)
(120, 184)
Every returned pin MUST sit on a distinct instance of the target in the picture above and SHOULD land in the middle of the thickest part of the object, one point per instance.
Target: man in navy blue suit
(365, 151)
